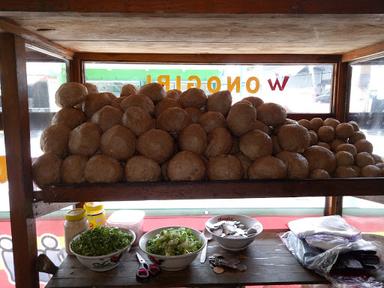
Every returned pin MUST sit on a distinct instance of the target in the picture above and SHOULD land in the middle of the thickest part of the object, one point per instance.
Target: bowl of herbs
(101, 248)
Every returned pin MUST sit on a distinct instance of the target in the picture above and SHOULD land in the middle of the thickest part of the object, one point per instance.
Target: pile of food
(151, 135)
(101, 241)
(174, 242)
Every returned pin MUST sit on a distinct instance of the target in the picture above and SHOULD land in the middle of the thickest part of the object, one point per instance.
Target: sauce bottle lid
(75, 214)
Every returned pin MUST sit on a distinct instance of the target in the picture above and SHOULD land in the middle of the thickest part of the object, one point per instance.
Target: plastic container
(95, 214)
(75, 223)
(128, 219)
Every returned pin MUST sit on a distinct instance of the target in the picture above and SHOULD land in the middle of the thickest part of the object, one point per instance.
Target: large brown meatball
(271, 114)
(294, 138)
(344, 130)
(364, 145)
(137, 120)
(331, 122)
(128, 90)
(220, 102)
(70, 94)
(194, 113)
(316, 123)
(326, 134)
(103, 169)
(142, 169)
(267, 167)
(94, 102)
(55, 139)
(155, 91)
(193, 97)
(186, 166)
(193, 138)
(255, 101)
(173, 120)
(118, 142)
(138, 100)
(92, 88)
(84, 139)
(156, 144)
(70, 117)
(173, 94)
(344, 158)
(219, 142)
(72, 169)
(320, 158)
(364, 159)
(358, 135)
(224, 167)
(107, 117)
(255, 144)
(297, 165)
(211, 120)
(241, 118)
(46, 170)
(319, 174)
(165, 104)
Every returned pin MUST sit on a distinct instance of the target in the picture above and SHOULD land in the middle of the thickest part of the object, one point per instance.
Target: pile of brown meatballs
(152, 135)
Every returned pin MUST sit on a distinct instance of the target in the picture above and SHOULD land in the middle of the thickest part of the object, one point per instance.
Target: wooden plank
(213, 189)
(267, 259)
(16, 128)
(199, 33)
(198, 6)
(365, 53)
(34, 38)
(76, 71)
(208, 58)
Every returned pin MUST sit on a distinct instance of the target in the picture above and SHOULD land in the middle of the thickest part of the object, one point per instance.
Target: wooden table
(267, 259)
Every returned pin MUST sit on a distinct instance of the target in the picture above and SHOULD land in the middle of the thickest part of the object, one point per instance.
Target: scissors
(146, 269)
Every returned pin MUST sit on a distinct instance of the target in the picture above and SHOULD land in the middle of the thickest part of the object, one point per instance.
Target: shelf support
(17, 145)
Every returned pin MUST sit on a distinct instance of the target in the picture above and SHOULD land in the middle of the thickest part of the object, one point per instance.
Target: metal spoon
(203, 255)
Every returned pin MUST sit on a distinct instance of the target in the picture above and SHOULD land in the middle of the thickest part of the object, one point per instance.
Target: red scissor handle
(142, 272)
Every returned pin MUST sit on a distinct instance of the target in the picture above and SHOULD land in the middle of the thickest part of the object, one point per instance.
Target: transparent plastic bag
(322, 261)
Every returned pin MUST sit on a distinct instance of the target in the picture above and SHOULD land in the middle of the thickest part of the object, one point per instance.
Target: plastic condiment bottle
(75, 223)
(95, 214)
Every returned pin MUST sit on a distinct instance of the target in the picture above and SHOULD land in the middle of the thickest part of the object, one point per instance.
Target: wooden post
(334, 204)
(17, 144)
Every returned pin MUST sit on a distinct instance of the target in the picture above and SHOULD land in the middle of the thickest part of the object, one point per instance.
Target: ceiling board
(213, 33)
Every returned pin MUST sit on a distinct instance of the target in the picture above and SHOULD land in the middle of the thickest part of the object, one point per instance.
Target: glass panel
(299, 88)
(367, 101)
(43, 78)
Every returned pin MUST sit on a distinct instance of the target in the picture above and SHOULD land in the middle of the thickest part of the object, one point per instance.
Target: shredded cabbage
(174, 242)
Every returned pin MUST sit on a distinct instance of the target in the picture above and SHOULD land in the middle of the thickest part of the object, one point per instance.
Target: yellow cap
(75, 214)
(93, 208)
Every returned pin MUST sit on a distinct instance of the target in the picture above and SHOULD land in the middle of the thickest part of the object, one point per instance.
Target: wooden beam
(53, 48)
(76, 71)
(17, 145)
(198, 6)
(208, 58)
(366, 53)
(212, 190)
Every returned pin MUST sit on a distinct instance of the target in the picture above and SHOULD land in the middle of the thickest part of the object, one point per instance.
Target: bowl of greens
(173, 248)
(101, 248)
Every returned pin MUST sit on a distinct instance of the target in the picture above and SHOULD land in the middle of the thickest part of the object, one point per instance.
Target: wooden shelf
(213, 189)
(267, 259)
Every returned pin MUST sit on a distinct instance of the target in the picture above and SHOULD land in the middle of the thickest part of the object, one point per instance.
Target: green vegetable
(101, 241)
(173, 242)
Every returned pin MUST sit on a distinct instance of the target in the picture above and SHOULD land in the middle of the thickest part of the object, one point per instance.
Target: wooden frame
(199, 6)
(25, 205)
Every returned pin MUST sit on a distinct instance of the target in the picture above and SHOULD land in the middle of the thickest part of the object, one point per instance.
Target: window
(367, 109)
(299, 88)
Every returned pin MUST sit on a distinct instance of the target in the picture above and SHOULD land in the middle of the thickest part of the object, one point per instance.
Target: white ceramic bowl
(103, 262)
(234, 243)
(171, 263)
